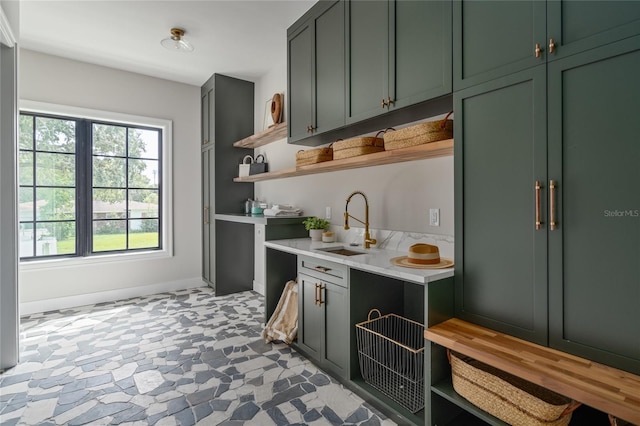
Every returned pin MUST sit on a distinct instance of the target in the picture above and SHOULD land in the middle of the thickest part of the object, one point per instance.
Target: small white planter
(316, 234)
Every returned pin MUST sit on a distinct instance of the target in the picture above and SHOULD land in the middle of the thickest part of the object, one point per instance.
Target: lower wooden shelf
(412, 153)
(445, 389)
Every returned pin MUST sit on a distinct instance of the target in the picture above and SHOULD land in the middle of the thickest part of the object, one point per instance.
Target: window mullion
(83, 194)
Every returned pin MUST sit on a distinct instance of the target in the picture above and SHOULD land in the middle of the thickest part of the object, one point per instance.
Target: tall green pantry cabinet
(546, 175)
(227, 116)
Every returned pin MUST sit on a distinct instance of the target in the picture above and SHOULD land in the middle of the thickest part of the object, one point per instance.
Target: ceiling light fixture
(176, 42)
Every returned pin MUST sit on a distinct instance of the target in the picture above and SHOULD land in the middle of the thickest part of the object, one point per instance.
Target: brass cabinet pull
(384, 102)
(206, 141)
(321, 268)
(320, 288)
(552, 205)
(538, 221)
(538, 50)
(389, 101)
(310, 128)
(552, 45)
(315, 299)
(206, 215)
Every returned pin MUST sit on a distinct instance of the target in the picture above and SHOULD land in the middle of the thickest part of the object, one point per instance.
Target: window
(88, 186)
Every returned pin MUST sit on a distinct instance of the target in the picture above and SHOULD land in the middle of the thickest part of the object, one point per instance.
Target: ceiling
(241, 38)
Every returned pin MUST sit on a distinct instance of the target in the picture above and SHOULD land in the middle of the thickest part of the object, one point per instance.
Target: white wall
(51, 79)
(400, 195)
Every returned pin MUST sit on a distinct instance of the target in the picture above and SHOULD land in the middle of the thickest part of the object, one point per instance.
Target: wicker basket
(419, 134)
(618, 422)
(358, 146)
(313, 156)
(509, 398)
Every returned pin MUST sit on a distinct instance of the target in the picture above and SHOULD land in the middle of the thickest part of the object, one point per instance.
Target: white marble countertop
(259, 219)
(375, 260)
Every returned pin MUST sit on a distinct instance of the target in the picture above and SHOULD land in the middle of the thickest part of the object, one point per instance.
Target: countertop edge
(299, 247)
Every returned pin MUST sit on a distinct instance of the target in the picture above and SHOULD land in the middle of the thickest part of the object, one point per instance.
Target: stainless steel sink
(342, 251)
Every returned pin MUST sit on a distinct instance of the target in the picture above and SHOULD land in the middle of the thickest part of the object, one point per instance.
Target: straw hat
(423, 256)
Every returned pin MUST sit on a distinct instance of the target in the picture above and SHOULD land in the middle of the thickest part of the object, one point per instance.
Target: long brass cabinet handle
(321, 268)
(320, 288)
(552, 205)
(552, 45)
(538, 221)
(315, 295)
(538, 50)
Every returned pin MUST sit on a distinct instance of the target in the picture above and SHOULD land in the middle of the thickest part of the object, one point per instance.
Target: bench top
(605, 388)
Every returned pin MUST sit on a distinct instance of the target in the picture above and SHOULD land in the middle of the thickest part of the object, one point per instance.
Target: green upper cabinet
(207, 111)
(594, 158)
(496, 38)
(368, 50)
(316, 72)
(420, 51)
(575, 26)
(500, 152)
(301, 81)
(399, 54)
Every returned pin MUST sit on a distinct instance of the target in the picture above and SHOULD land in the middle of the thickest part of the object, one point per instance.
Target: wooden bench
(605, 388)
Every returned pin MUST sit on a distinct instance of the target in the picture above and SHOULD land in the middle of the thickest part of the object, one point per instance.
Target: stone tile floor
(178, 358)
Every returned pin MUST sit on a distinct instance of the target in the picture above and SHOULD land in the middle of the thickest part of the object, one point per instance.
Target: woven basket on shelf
(313, 156)
(358, 146)
(419, 134)
(507, 397)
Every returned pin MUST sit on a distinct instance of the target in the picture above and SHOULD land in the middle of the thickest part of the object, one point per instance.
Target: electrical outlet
(434, 217)
(327, 213)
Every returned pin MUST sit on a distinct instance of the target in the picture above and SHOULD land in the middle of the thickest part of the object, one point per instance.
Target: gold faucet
(367, 237)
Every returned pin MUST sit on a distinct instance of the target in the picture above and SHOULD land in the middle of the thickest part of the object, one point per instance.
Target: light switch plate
(434, 217)
(327, 213)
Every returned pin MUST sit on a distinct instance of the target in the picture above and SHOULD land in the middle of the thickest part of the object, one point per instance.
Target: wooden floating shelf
(413, 153)
(272, 134)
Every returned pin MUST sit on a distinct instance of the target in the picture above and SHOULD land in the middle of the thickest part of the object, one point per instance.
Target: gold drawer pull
(538, 50)
(552, 45)
(321, 268)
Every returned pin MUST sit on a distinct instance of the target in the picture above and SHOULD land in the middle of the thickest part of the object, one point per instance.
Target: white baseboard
(37, 306)
(258, 287)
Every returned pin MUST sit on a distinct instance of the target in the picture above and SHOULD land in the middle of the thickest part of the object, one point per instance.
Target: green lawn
(113, 242)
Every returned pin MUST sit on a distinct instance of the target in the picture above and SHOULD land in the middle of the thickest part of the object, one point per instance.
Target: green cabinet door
(329, 49)
(208, 228)
(311, 314)
(594, 254)
(576, 26)
(368, 53)
(420, 51)
(495, 38)
(207, 120)
(301, 82)
(500, 152)
(336, 333)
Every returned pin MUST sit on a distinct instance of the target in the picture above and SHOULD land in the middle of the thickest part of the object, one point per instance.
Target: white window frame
(167, 184)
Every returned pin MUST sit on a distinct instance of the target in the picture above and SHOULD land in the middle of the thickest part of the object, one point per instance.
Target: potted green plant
(315, 226)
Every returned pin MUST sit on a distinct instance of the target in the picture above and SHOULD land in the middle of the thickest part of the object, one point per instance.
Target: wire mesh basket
(391, 355)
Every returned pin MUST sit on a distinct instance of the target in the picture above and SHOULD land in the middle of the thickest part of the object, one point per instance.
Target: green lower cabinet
(500, 152)
(594, 157)
(323, 330)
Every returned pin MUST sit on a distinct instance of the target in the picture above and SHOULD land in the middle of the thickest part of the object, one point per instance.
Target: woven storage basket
(618, 422)
(358, 146)
(419, 134)
(509, 398)
(313, 156)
